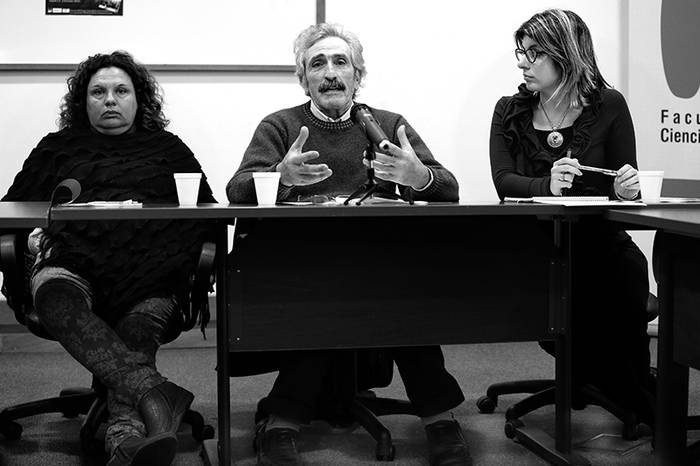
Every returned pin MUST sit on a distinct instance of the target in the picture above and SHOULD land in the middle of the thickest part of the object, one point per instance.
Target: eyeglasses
(530, 54)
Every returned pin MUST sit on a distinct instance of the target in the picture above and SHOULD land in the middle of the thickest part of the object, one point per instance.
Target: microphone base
(370, 186)
(367, 189)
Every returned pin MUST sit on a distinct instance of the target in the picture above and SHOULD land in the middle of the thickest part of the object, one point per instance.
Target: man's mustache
(333, 85)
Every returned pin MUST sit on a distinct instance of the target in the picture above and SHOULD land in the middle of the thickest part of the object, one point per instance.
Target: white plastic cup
(187, 185)
(650, 182)
(266, 185)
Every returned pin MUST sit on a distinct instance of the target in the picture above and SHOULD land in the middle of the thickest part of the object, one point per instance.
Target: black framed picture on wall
(85, 7)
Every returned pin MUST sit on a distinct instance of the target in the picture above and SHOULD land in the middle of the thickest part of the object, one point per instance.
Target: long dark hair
(564, 36)
(149, 114)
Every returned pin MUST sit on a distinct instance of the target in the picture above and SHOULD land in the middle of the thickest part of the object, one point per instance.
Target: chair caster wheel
(206, 433)
(486, 404)
(511, 427)
(11, 430)
(511, 414)
(75, 410)
(385, 452)
(200, 430)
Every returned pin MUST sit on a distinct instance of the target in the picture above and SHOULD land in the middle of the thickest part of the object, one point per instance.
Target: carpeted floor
(53, 440)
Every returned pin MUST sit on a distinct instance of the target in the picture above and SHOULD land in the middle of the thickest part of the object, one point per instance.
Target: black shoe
(145, 451)
(277, 446)
(446, 444)
(163, 407)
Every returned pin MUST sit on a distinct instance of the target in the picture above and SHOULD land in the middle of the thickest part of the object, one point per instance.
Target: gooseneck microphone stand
(370, 186)
(362, 115)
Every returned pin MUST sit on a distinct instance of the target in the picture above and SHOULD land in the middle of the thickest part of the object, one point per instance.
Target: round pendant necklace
(555, 138)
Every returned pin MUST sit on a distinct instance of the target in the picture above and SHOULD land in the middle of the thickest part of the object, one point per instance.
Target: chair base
(543, 394)
(366, 409)
(73, 402)
(541, 444)
(363, 409)
(70, 402)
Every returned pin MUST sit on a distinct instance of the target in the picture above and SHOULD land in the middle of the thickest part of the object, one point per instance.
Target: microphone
(362, 115)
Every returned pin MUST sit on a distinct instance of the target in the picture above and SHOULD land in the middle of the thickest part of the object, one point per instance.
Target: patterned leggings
(122, 358)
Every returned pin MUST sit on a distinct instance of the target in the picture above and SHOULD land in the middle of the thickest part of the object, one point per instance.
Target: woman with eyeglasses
(565, 118)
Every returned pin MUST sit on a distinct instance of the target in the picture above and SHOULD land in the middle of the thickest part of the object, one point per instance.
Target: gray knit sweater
(341, 147)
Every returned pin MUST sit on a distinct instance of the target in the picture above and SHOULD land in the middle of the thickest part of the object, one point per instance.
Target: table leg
(222, 353)
(563, 342)
(670, 433)
(557, 451)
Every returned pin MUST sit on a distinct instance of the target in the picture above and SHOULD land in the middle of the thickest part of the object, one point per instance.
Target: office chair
(352, 402)
(364, 408)
(349, 401)
(90, 401)
(543, 393)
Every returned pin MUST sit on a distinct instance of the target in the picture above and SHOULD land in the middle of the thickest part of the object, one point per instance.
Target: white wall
(215, 114)
(442, 64)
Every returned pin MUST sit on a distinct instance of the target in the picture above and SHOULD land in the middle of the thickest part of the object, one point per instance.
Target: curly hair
(316, 32)
(149, 115)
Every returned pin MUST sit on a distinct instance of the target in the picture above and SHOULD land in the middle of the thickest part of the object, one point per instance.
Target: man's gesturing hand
(294, 171)
(401, 165)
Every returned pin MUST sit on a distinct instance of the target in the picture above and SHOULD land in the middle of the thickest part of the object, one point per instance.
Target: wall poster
(85, 7)
(166, 34)
(664, 79)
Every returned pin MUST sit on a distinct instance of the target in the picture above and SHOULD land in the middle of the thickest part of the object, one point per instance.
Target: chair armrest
(16, 263)
(202, 284)
(12, 266)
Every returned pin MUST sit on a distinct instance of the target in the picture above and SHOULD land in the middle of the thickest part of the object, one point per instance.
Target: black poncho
(125, 261)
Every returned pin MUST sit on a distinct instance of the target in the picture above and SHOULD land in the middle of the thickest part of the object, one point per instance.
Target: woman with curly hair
(111, 292)
(149, 111)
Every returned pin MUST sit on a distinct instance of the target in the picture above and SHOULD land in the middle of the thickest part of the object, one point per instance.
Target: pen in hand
(604, 171)
(565, 191)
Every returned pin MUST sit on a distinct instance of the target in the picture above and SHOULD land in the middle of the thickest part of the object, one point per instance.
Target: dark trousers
(610, 345)
(305, 377)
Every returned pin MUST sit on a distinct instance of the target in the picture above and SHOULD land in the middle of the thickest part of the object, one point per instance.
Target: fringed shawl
(125, 261)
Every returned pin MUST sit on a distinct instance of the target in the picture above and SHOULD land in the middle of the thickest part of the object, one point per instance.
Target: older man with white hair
(318, 150)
